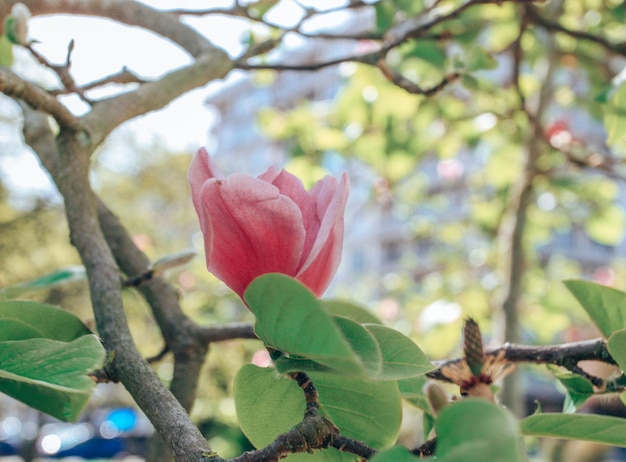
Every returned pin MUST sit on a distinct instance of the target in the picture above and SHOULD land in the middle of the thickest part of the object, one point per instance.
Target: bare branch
(412, 87)
(537, 18)
(110, 113)
(122, 77)
(128, 12)
(62, 71)
(67, 161)
(369, 58)
(559, 355)
(359, 448)
(38, 99)
(210, 334)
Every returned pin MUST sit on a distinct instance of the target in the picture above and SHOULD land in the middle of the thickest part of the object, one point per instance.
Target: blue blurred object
(7, 449)
(124, 419)
(94, 448)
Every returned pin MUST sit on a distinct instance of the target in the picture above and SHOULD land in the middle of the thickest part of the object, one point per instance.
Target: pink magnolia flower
(269, 224)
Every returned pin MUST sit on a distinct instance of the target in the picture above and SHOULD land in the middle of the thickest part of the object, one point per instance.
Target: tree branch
(538, 19)
(67, 161)
(37, 98)
(559, 355)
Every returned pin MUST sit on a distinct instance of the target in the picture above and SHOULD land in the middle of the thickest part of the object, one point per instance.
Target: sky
(182, 126)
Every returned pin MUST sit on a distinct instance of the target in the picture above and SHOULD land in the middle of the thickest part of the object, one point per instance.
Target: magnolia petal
(269, 175)
(202, 168)
(251, 229)
(325, 256)
(291, 186)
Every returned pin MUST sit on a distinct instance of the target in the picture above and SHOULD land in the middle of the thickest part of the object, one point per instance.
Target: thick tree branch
(127, 12)
(110, 113)
(67, 161)
(37, 98)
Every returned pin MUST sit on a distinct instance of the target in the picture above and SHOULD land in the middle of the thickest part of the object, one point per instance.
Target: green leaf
(363, 410)
(61, 276)
(395, 454)
(45, 356)
(578, 389)
(617, 348)
(266, 404)
(21, 319)
(385, 12)
(402, 358)
(50, 375)
(587, 427)
(605, 306)
(475, 430)
(349, 310)
(290, 319)
(363, 343)
(412, 390)
(480, 59)
(429, 51)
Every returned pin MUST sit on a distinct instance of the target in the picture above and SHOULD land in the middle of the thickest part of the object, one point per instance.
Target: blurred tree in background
(484, 141)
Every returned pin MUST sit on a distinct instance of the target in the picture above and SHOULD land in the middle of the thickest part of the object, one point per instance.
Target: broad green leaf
(402, 358)
(364, 410)
(605, 306)
(284, 365)
(291, 319)
(363, 343)
(578, 389)
(349, 310)
(266, 404)
(61, 276)
(50, 375)
(588, 427)
(22, 319)
(617, 348)
(475, 430)
(395, 454)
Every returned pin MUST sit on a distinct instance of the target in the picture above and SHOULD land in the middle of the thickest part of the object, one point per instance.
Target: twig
(358, 448)
(62, 70)
(563, 355)
(312, 433)
(412, 87)
(310, 393)
(237, 330)
(122, 77)
(537, 18)
(427, 449)
(369, 58)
